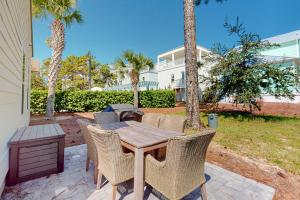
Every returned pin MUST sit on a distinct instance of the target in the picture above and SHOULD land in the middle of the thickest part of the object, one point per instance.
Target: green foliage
(132, 64)
(90, 101)
(37, 83)
(103, 76)
(157, 98)
(74, 73)
(63, 10)
(243, 74)
(38, 101)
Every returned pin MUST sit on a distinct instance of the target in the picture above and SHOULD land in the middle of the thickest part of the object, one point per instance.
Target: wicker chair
(172, 122)
(106, 117)
(113, 163)
(183, 170)
(91, 148)
(152, 119)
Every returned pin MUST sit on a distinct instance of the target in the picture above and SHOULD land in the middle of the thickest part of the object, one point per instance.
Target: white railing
(169, 64)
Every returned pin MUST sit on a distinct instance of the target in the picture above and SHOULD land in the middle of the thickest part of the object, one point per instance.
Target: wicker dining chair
(91, 148)
(173, 123)
(106, 117)
(152, 119)
(183, 170)
(113, 163)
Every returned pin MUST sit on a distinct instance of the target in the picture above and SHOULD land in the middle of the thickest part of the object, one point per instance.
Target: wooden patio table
(140, 138)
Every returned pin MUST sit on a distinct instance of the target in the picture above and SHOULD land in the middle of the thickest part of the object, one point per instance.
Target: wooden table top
(140, 135)
(30, 133)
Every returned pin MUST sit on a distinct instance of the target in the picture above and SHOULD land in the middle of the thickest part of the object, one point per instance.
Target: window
(23, 81)
(172, 78)
(182, 75)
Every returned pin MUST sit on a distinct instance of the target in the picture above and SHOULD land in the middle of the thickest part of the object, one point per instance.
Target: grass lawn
(270, 138)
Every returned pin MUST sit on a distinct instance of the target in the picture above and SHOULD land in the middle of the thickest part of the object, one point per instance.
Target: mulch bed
(286, 184)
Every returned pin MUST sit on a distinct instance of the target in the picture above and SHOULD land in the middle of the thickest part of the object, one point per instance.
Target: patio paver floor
(75, 184)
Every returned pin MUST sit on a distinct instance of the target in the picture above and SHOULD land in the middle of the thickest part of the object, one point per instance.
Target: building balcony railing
(143, 84)
(169, 64)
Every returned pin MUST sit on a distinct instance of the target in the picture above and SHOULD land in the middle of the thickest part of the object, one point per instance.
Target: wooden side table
(36, 151)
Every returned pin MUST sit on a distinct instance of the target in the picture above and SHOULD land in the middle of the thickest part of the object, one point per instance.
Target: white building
(148, 81)
(287, 53)
(15, 57)
(171, 70)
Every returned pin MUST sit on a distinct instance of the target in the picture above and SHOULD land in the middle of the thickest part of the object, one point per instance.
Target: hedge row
(90, 101)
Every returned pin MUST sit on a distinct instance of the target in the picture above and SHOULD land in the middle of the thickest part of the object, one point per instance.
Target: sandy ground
(286, 184)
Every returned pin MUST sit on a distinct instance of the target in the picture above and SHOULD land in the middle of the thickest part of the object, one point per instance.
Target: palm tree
(192, 82)
(64, 14)
(132, 64)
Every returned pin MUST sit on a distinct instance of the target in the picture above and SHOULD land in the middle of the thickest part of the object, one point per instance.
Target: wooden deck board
(37, 132)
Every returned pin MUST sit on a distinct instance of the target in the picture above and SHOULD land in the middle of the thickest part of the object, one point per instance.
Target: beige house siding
(15, 47)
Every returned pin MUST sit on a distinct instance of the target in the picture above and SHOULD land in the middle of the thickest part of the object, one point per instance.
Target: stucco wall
(164, 76)
(15, 49)
(288, 49)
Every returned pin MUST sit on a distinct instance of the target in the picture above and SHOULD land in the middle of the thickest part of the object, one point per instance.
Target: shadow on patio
(76, 184)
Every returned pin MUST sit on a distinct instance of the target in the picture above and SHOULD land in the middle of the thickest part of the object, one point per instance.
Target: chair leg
(203, 191)
(87, 166)
(114, 192)
(99, 180)
(96, 171)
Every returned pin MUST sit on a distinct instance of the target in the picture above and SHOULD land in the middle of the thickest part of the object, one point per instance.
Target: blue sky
(155, 26)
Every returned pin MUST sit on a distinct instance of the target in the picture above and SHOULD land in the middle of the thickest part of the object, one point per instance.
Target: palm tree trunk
(57, 45)
(192, 84)
(135, 95)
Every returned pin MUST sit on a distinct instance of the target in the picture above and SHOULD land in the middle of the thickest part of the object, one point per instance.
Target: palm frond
(74, 16)
(131, 64)
(39, 8)
(121, 67)
(64, 10)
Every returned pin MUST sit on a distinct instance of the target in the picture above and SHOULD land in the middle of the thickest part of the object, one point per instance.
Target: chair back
(92, 151)
(173, 123)
(152, 119)
(185, 159)
(106, 117)
(109, 150)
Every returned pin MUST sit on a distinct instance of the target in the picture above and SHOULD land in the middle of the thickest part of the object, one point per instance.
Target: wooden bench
(36, 151)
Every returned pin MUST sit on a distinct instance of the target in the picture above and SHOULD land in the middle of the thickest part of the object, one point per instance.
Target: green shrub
(38, 101)
(89, 101)
(157, 99)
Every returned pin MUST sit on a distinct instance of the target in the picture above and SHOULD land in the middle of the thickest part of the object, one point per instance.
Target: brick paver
(75, 184)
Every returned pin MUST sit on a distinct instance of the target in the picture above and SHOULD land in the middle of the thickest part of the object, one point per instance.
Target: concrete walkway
(75, 184)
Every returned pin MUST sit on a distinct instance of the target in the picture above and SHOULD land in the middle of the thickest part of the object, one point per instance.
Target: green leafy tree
(104, 77)
(132, 64)
(192, 82)
(74, 72)
(37, 82)
(244, 74)
(63, 13)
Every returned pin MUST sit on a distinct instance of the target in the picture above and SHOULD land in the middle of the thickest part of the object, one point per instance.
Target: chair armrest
(152, 161)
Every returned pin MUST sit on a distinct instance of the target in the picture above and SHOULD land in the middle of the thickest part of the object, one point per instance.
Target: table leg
(139, 180)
